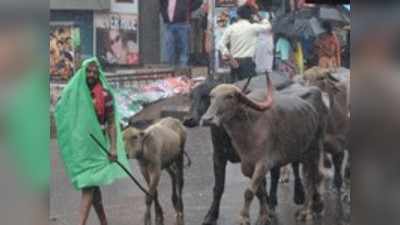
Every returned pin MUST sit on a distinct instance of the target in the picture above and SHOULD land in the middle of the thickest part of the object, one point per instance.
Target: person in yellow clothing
(298, 57)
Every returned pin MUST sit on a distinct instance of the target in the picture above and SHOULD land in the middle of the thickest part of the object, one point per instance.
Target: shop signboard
(117, 38)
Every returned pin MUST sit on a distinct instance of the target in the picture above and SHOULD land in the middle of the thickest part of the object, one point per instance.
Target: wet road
(124, 202)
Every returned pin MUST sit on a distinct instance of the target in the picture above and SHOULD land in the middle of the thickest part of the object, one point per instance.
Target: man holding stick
(87, 107)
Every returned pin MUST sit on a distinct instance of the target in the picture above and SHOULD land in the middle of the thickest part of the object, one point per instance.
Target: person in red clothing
(327, 48)
(103, 105)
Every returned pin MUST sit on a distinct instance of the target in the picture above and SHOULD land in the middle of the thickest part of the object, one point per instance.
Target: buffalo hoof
(284, 180)
(347, 172)
(272, 202)
(147, 220)
(338, 181)
(179, 219)
(346, 197)
(159, 220)
(327, 162)
(304, 215)
(318, 207)
(210, 220)
(264, 219)
(299, 195)
(244, 221)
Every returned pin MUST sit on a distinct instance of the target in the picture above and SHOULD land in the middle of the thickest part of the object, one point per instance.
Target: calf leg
(298, 186)
(152, 176)
(158, 210)
(180, 184)
(174, 197)
(147, 214)
(256, 180)
(219, 185)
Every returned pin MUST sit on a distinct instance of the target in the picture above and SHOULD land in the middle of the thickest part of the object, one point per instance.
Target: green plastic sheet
(85, 163)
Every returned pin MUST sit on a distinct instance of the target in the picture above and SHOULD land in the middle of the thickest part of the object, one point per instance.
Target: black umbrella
(339, 15)
(307, 22)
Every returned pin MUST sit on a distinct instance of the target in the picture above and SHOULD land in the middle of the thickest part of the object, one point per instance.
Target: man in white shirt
(242, 37)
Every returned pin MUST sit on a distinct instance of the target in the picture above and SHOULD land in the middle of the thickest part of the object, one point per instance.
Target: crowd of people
(250, 43)
(250, 40)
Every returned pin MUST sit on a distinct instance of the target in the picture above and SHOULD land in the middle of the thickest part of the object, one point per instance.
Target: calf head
(133, 139)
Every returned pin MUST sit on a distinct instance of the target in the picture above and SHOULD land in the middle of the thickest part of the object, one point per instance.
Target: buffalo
(224, 151)
(284, 128)
(337, 91)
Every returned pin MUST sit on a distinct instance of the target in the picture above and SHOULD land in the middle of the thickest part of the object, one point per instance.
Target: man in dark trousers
(176, 15)
(242, 37)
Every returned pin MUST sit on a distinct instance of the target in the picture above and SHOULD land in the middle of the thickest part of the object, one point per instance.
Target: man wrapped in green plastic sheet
(86, 107)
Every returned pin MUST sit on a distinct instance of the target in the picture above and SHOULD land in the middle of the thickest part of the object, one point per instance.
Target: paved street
(124, 202)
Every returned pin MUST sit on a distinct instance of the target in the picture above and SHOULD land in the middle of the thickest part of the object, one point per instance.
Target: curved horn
(259, 106)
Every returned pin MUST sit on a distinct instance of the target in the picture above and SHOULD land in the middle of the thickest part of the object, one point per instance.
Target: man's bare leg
(86, 203)
(98, 206)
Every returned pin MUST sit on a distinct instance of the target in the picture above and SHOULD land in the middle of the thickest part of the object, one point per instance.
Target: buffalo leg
(333, 145)
(298, 186)
(347, 169)
(273, 191)
(261, 194)
(312, 179)
(337, 162)
(256, 180)
(218, 190)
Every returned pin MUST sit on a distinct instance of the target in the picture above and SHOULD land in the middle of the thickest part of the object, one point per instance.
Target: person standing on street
(176, 16)
(242, 37)
(284, 58)
(264, 53)
(87, 106)
(327, 48)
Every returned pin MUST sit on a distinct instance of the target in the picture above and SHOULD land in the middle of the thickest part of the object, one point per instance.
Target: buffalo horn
(259, 106)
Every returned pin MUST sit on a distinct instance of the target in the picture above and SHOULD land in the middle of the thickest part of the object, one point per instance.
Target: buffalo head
(200, 101)
(226, 99)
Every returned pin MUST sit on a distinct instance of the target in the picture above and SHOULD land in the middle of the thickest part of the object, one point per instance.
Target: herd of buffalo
(264, 126)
